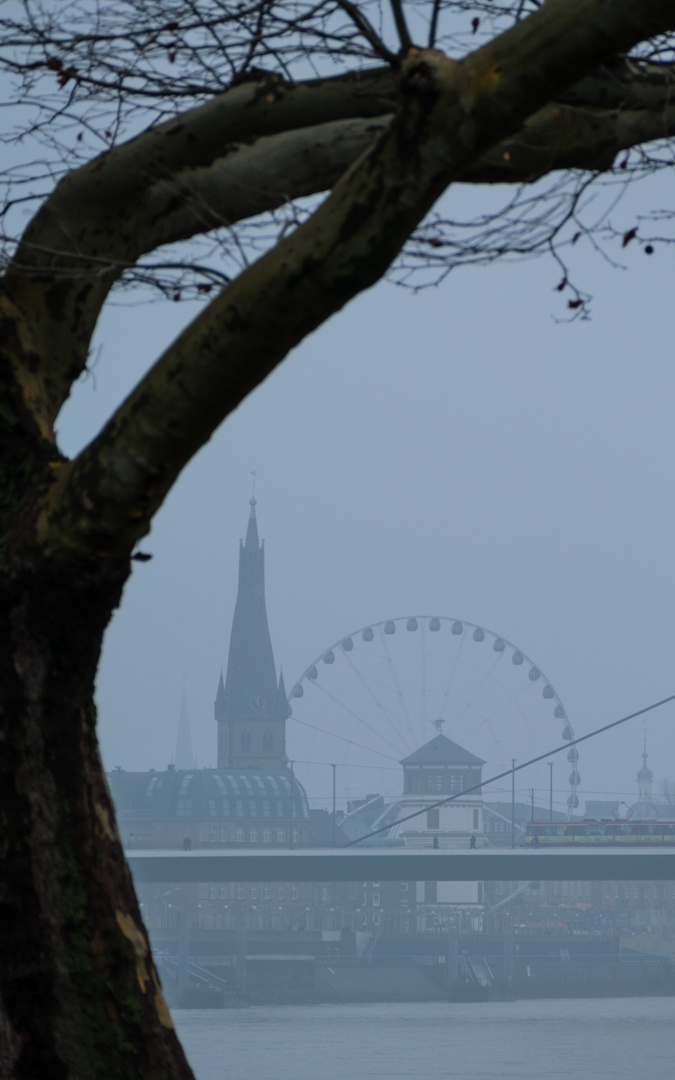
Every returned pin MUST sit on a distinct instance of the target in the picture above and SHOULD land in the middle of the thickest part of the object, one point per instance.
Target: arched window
(246, 742)
(268, 742)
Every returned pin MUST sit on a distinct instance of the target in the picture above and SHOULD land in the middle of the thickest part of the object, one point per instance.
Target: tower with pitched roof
(251, 707)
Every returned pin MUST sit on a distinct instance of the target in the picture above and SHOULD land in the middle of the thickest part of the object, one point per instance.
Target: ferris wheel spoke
(344, 739)
(488, 675)
(451, 678)
(347, 709)
(382, 686)
(397, 686)
(371, 693)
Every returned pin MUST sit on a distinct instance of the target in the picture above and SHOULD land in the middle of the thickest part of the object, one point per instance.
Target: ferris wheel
(378, 694)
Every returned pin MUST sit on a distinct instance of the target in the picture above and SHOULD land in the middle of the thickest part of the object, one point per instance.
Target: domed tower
(251, 707)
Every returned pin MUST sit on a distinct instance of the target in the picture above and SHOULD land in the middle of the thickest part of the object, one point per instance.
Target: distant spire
(250, 688)
(184, 758)
(645, 774)
(283, 707)
(220, 693)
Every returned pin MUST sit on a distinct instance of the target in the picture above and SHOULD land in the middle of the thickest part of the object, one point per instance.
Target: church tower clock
(251, 707)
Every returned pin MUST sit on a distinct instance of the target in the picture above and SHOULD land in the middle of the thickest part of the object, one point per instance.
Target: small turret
(645, 775)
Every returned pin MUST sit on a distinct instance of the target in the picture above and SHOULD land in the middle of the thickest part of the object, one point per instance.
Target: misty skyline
(455, 452)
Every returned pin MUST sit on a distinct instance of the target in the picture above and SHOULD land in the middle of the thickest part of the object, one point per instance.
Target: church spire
(249, 701)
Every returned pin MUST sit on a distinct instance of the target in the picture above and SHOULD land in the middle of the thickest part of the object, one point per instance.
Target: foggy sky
(455, 452)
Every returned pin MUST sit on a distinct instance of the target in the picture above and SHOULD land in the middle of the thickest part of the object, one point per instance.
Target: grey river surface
(591, 1039)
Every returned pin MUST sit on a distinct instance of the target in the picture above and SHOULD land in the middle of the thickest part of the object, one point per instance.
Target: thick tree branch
(243, 153)
(451, 114)
(87, 232)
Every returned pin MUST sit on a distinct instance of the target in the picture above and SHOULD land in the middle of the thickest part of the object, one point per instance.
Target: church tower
(251, 706)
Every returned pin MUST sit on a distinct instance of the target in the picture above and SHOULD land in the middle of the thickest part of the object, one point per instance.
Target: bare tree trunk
(79, 995)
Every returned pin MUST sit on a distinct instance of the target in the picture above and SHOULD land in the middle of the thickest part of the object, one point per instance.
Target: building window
(223, 834)
(223, 892)
(404, 886)
(246, 742)
(296, 836)
(294, 892)
(253, 835)
(267, 892)
(240, 835)
(376, 899)
(324, 892)
(413, 783)
(438, 782)
(268, 742)
(430, 782)
(433, 819)
(281, 892)
(281, 836)
(213, 834)
(254, 892)
(267, 836)
(240, 892)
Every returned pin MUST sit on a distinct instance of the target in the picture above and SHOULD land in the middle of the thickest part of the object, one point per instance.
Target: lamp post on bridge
(513, 802)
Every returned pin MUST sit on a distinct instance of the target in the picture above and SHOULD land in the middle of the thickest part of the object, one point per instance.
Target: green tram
(544, 833)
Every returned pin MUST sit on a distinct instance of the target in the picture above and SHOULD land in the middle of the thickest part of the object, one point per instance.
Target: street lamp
(513, 802)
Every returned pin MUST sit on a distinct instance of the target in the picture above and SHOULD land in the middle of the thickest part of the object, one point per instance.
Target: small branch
(401, 25)
(364, 27)
(433, 25)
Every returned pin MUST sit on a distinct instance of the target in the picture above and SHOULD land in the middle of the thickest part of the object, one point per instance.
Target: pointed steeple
(250, 680)
(184, 758)
(283, 708)
(250, 698)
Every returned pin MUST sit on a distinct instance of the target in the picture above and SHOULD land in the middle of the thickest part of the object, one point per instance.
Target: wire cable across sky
(513, 770)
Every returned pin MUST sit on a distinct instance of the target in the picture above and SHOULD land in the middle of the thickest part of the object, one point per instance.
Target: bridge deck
(354, 864)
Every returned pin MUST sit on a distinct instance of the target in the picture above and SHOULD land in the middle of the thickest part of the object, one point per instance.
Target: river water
(589, 1039)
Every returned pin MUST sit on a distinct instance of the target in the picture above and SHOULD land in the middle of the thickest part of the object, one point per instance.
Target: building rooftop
(442, 751)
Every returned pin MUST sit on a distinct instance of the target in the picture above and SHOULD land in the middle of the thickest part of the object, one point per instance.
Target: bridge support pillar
(240, 960)
(508, 961)
(183, 956)
(453, 957)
